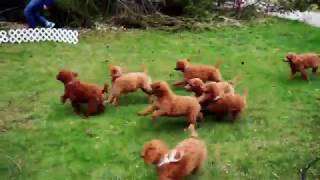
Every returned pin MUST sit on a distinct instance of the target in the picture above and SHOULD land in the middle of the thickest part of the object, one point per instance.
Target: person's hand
(45, 7)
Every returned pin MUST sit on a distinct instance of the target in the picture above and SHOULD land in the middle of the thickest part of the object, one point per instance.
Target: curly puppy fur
(215, 90)
(191, 154)
(115, 72)
(233, 104)
(203, 72)
(78, 92)
(301, 62)
(167, 103)
(125, 83)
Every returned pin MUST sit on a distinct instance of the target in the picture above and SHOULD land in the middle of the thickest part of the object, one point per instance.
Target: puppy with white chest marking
(175, 164)
(167, 103)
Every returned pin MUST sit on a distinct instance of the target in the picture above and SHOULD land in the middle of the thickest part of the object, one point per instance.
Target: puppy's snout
(187, 87)
(58, 77)
(177, 69)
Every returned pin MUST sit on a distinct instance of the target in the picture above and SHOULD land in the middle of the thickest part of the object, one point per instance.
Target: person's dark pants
(32, 14)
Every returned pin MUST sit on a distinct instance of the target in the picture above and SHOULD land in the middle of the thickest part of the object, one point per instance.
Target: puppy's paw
(154, 117)
(141, 114)
(62, 99)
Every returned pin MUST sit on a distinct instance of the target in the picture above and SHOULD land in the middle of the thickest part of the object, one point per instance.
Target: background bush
(83, 13)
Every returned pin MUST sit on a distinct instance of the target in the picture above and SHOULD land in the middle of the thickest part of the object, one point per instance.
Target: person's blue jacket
(48, 2)
(38, 4)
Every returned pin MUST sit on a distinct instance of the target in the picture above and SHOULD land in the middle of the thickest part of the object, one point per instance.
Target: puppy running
(197, 86)
(123, 84)
(175, 164)
(79, 92)
(215, 90)
(203, 72)
(167, 103)
(301, 62)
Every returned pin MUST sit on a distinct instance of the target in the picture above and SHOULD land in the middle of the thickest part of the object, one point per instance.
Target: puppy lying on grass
(79, 93)
(175, 164)
(166, 103)
(123, 84)
(233, 104)
(203, 72)
(301, 62)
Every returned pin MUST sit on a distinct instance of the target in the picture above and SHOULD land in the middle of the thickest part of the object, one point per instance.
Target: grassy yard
(42, 139)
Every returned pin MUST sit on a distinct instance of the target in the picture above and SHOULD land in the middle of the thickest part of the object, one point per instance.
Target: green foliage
(198, 7)
(43, 139)
(296, 4)
(81, 12)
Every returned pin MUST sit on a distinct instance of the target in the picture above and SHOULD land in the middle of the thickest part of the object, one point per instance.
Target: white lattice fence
(39, 35)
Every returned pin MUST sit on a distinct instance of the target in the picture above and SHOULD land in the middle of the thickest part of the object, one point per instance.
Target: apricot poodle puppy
(78, 93)
(197, 86)
(215, 90)
(301, 62)
(176, 164)
(166, 103)
(123, 84)
(203, 72)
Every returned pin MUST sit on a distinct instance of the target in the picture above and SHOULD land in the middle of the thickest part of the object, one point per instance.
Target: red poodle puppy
(301, 62)
(123, 84)
(166, 103)
(203, 72)
(175, 164)
(233, 104)
(78, 93)
(195, 85)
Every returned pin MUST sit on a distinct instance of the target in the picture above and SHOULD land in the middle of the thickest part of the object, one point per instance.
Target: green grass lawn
(42, 139)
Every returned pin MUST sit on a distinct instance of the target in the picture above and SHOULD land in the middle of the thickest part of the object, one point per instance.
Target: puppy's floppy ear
(75, 74)
(178, 155)
(111, 66)
(295, 58)
(157, 86)
(113, 71)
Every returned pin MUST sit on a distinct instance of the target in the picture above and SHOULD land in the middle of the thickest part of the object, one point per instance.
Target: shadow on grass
(133, 99)
(59, 111)
(176, 124)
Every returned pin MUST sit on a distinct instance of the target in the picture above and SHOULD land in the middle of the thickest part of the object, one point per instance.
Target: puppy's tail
(145, 68)
(192, 131)
(245, 93)
(218, 63)
(235, 81)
